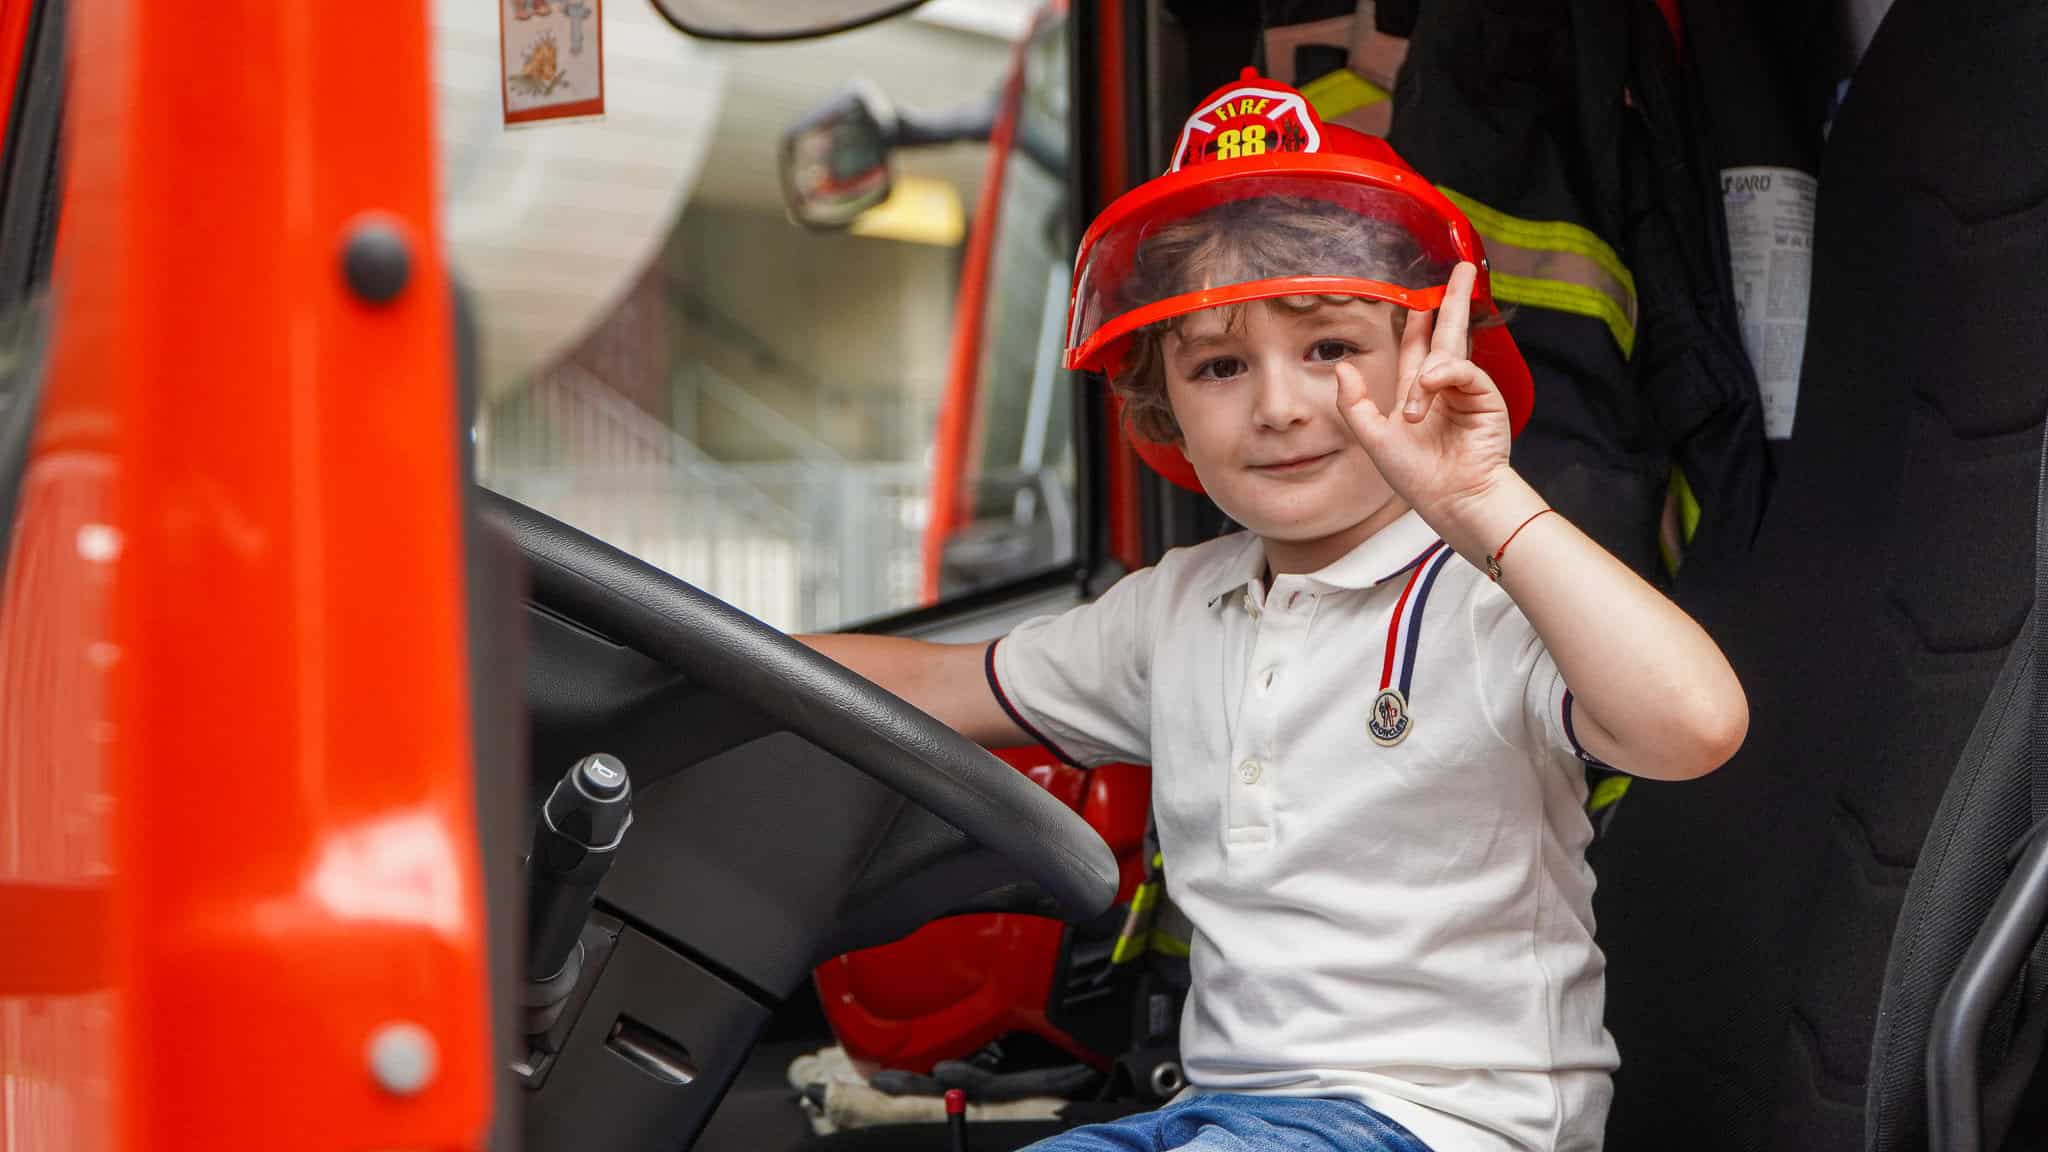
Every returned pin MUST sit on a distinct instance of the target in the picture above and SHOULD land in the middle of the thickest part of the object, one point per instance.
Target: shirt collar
(1245, 566)
(1392, 551)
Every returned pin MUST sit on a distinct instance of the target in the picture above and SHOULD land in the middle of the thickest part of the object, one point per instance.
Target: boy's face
(1257, 408)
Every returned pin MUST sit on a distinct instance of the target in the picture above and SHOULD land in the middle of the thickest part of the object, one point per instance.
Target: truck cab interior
(1839, 940)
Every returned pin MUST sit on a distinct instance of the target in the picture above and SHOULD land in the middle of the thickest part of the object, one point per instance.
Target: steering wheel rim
(872, 730)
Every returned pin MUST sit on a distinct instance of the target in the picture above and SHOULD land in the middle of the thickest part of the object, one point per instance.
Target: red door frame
(1106, 135)
(952, 448)
(14, 21)
(233, 683)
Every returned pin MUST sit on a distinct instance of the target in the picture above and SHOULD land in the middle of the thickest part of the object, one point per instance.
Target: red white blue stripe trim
(995, 684)
(1573, 737)
(1404, 631)
(1410, 566)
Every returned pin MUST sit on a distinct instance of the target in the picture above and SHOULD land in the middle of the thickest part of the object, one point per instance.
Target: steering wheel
(841, 712)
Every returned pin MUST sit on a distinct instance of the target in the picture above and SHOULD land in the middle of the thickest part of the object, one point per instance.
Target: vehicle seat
(1747, 918)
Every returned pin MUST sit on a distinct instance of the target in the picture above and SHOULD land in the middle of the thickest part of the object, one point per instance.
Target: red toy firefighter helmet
(1259, 140)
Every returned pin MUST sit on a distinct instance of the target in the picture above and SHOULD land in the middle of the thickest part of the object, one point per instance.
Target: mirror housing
(835, 159)
(758, 23)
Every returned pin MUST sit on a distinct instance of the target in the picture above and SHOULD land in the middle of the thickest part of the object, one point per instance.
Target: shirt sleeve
(1081, 682)
(1528, 701)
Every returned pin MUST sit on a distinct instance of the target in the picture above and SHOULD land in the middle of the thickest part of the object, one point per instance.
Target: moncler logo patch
(1390, 721)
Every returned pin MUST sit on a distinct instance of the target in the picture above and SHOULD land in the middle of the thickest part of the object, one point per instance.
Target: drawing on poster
(553, 59)
(538, 73)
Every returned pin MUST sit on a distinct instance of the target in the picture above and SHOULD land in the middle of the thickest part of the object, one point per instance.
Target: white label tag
(1770, 251)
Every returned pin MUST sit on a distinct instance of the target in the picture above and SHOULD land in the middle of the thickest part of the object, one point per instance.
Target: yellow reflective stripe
(1557, 265)
(1130, 942)
(1688, 505)
(1144, 898)
(1561, 297)
(1607, 791)
(1169, 946)
(1679, 521)
(1550, 235)
(1566, 269)
(1342, 92)
(1158, 860)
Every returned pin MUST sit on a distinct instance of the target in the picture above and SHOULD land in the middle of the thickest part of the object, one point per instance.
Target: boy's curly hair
(1251, 239)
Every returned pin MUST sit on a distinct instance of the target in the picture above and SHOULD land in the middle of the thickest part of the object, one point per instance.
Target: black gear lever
(581, 826)
(582, 823)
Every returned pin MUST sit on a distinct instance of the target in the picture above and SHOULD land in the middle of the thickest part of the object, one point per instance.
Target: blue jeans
(1227, 1122)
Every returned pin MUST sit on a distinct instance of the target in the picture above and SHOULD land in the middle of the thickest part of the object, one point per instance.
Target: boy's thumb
(1363, 417)
(1354, 403)
(1351, 389)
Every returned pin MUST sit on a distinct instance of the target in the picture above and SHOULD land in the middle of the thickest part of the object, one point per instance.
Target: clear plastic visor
(1257, 237)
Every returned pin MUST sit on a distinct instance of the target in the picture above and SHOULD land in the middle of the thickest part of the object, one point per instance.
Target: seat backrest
(1996, 804)
(1747, 917)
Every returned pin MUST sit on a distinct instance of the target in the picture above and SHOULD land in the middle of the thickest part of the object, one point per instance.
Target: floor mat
(760, 1112)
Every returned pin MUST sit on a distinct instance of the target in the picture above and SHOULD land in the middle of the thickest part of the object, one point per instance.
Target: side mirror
(835, 160)
(761, 22)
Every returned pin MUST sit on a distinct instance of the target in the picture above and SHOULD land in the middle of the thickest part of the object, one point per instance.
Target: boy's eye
(1221, 368)
(1330, 351)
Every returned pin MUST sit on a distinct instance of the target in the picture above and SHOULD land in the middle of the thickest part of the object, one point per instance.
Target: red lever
(956, 1118)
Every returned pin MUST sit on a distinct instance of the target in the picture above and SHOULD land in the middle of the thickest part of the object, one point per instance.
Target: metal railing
(808, 543)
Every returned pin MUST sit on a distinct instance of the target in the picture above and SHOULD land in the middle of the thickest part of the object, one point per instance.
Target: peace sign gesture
(1447, 440)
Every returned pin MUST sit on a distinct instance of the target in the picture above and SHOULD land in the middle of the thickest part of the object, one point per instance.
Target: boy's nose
(1285, 395)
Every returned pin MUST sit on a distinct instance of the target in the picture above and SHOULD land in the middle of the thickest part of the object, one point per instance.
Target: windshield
(754, 406)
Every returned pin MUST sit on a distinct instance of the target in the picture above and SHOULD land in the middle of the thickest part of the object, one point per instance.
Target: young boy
(1367, 775)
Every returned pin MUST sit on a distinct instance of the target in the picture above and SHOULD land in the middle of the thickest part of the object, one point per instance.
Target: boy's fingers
(1460, 377)
(1422, 398)
(1414, 354)
(1454, 317)
(1419, 404)
(1428, 382)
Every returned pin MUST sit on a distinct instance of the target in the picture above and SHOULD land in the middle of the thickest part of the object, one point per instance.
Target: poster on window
(553, 59)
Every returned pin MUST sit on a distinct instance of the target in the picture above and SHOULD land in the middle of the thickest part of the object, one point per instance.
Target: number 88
(1249, 141)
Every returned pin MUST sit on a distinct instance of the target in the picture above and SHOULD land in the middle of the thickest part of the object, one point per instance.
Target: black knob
(582, 824)
(592, 804)
(602, 776)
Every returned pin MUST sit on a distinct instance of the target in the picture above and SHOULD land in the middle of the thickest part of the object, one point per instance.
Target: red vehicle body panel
(235, 741)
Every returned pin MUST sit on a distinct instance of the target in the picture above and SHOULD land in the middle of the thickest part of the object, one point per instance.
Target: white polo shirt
(1390, 897)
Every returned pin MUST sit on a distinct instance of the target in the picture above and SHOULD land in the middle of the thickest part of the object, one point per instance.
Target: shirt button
(1266, 680)
(1251, 606)
(1249, 771)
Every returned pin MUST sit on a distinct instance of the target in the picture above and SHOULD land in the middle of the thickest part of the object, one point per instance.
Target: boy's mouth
(1292, 464)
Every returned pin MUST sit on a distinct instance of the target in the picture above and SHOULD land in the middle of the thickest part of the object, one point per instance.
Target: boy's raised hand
(1652, 694)
(1447, 439)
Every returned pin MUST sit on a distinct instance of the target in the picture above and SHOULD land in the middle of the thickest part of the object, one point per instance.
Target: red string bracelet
(1493, 561)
